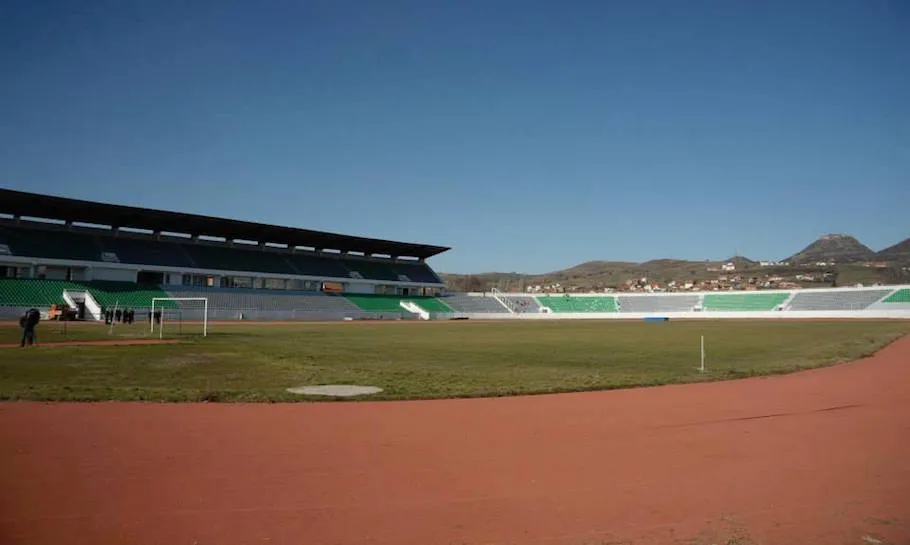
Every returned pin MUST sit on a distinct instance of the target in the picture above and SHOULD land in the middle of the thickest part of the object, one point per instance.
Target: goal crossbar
(205, 312)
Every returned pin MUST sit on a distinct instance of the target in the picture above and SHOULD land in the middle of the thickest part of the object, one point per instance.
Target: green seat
(568, 303)
(743, 301)
(900, 296)
(392, 303)
(126, 294)
(376, 303)
(44, 293)
(429, 304)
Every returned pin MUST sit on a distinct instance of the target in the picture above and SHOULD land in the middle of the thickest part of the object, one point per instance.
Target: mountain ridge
(835, 249)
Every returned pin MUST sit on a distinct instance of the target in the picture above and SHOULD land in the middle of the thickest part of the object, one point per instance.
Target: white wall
(356, 287)
(55, 273)
(120, 275)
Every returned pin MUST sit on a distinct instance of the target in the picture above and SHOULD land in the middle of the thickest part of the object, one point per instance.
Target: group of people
(29, 321)
(119, 316)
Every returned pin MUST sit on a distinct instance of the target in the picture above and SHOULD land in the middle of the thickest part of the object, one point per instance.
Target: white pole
(161, 325)
(110, 330)
(205, 318)
(702, 369)
(152, 318)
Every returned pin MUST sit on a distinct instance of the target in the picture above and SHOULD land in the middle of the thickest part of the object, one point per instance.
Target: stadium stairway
(521, 303)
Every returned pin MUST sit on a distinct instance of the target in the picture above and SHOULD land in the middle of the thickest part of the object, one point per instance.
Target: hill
(900, 252)
(592, 274)
(839, 248)
(847, 252)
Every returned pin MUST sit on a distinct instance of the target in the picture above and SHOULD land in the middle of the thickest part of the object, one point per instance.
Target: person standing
(29, 322)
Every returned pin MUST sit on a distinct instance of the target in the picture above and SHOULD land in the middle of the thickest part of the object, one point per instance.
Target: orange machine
(61, 312)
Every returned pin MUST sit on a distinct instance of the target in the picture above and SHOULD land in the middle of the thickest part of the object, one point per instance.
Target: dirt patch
(99, 342)
(335, 390)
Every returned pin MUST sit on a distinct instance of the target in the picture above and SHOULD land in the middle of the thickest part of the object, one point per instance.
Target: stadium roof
(20, 203)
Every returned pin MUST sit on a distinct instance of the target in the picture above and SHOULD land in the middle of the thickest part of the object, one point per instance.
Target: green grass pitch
(257, 362)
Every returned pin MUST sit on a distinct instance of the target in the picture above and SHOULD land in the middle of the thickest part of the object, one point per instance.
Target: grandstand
(475, 303)
(60, 251)
(836, 300)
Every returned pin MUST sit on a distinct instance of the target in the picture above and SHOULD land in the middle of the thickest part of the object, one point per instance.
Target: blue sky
(528, 135)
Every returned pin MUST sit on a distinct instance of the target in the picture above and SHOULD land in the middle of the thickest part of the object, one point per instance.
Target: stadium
(233, 311)
(87, 256)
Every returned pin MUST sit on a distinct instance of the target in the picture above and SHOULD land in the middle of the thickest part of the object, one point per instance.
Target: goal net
(171, 316)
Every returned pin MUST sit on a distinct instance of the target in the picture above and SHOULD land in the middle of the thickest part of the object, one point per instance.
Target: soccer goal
(180, 315)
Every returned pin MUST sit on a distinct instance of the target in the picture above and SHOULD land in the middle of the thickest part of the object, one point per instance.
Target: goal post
(161, 306)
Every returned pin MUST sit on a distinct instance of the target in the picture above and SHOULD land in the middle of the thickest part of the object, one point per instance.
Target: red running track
(816, 457)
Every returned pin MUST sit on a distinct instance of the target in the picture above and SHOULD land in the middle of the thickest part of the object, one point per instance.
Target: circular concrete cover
(335, 390)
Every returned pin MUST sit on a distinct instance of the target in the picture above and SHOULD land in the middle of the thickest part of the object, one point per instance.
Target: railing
(92, 306)
(495, 293)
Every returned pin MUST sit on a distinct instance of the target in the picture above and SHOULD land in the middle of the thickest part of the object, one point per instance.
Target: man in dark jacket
(29, 322)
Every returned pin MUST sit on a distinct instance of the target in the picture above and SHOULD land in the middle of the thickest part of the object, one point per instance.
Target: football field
(415, 360)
